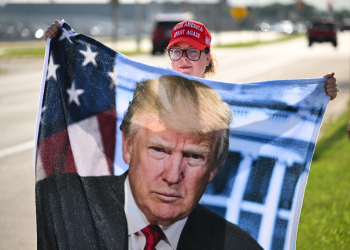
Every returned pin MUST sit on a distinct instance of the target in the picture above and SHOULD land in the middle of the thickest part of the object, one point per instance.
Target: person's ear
(208, 58)
(127, 148)
(213, 174)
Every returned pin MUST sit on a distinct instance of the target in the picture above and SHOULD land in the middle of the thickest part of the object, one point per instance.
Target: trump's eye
(157, 149)
(157, 152)
(197, 157)
(195, 160)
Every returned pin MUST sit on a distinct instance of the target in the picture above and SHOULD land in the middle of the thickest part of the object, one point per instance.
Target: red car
(322, 30)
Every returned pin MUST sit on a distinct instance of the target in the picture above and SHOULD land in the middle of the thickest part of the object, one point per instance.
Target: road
(20, 81)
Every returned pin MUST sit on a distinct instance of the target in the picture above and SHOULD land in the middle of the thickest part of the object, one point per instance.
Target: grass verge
(27, 52)
(11, 52)
(40, 52)
(325, 217)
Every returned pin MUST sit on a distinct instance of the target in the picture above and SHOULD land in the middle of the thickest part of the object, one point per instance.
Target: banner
(87, 88)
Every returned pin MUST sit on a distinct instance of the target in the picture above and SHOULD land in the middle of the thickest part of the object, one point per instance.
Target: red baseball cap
(191, 32)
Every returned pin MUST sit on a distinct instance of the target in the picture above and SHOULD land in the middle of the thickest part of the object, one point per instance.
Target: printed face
(168, 171)
(187, 67)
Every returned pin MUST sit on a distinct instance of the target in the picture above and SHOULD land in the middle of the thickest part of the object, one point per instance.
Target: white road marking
(17, 148)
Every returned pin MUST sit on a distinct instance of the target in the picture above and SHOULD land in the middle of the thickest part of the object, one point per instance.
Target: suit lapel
(195, 234)
(105, 197)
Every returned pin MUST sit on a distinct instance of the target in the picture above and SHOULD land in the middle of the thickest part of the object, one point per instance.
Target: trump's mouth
(168, 197)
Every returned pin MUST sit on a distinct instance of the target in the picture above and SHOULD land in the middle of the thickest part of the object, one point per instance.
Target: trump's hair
(184, 105)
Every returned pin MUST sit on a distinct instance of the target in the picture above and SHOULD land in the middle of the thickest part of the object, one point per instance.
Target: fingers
(52, 30)
(56, 26)
(332, 95)
(332, 92)
(49, 33)
(331, 86)
(329, 75)
(331, 80)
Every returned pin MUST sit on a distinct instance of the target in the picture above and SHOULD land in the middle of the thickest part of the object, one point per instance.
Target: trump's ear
(127, 147)
(213, 173)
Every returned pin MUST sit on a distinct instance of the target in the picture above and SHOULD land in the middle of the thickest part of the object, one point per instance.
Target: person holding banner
(190, 54)
(175, 139)
(91, 224)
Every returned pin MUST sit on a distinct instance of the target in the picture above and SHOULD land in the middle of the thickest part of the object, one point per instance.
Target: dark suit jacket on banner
(85, 213)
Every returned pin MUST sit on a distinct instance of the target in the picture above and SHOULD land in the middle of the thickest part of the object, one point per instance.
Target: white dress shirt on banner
(137, 220)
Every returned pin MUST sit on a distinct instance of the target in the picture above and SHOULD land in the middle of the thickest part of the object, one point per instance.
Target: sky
(319, 4)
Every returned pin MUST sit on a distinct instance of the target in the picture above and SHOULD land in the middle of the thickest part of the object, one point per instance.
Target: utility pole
(115, 5)
(330, 8)
(221, 5)
(137, 24)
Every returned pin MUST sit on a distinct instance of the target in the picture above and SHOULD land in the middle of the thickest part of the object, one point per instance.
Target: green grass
(30, 52)
(325, 216)
(282, 38)
(40, 51)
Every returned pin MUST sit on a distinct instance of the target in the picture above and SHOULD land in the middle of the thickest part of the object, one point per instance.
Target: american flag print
(77, 127)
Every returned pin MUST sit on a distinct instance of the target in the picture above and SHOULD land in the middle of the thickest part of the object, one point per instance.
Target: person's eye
(195, 159)
(157, 149)
(177, 51)
(157, 153)
(193, 51)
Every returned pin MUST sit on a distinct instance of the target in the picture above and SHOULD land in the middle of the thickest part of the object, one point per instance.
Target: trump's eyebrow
(189, 149)
(197, 149)
(159, 143)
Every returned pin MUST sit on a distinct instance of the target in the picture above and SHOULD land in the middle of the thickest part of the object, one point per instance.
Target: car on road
(164, 23)
(345, 24)
(322, 30)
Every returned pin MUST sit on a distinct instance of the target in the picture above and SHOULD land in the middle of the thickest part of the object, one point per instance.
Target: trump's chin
(166, 214)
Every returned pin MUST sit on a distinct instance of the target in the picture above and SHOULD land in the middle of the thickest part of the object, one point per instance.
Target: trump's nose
(173, 169)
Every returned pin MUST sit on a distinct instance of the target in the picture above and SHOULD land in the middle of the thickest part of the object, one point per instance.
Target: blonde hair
(181, 104)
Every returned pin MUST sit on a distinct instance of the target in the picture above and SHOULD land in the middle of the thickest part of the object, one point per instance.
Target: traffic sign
(239, 13)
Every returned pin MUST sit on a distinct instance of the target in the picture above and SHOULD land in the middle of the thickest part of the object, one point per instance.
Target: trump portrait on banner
(175, 139)
(84, 164)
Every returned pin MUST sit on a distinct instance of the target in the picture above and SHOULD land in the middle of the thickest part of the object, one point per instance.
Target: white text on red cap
(189, 24)
(189, 32)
